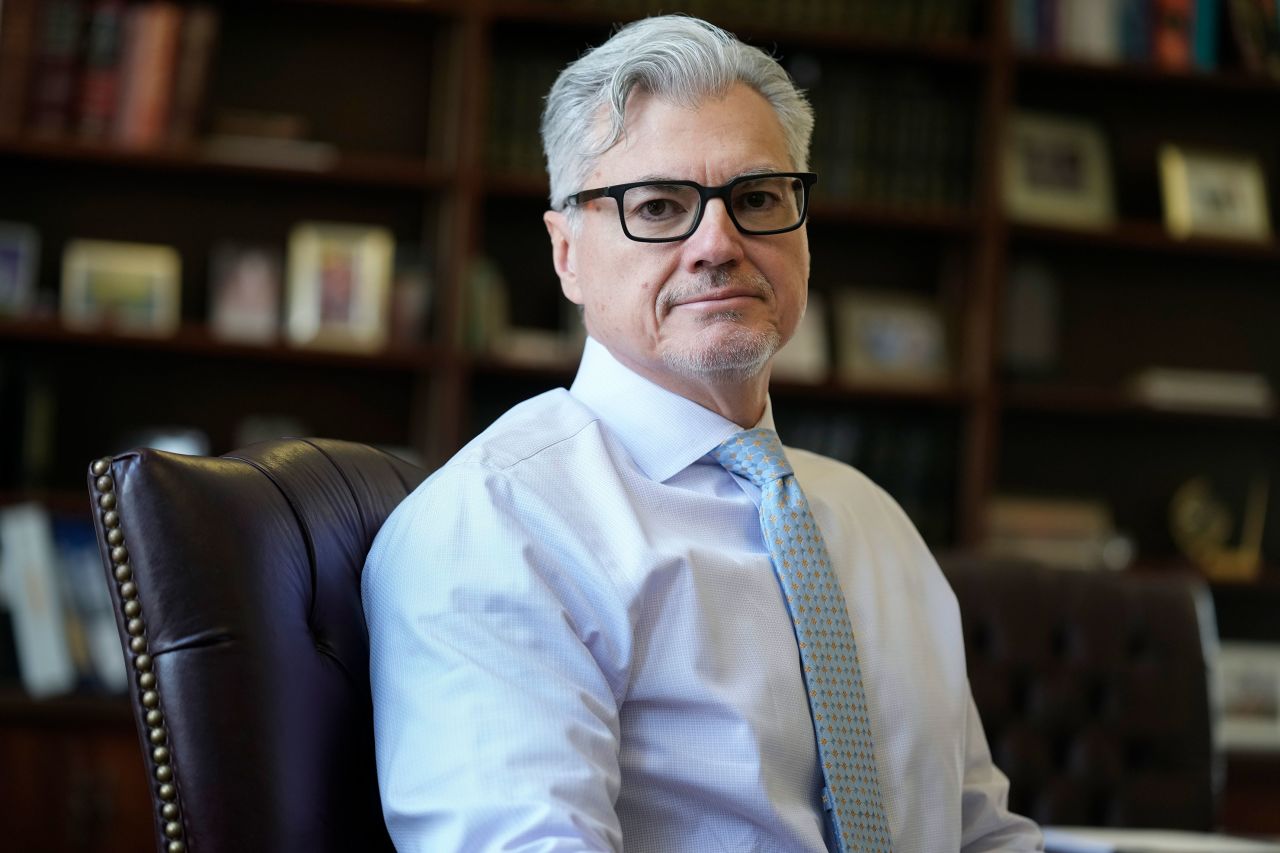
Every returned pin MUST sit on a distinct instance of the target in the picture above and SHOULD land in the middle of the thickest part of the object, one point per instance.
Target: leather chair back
(1093, 688)
(236, 583)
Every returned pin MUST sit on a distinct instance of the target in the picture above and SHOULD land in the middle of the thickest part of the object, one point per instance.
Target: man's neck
(741, 400)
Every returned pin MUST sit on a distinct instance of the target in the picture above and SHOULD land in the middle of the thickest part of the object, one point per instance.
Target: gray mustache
(710, 282)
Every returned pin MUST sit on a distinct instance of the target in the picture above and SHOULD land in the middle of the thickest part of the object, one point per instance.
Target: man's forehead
(759, 143)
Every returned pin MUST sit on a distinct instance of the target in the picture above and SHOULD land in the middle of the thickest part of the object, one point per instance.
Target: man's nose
(717, 240)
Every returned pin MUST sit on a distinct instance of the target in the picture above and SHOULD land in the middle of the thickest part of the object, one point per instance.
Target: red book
(1171, 22)
(150, 48)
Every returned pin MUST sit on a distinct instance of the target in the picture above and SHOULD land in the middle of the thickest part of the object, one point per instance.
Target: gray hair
(677, 58)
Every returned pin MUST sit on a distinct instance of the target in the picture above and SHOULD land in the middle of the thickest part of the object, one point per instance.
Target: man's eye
(658, 208)
(757, 200)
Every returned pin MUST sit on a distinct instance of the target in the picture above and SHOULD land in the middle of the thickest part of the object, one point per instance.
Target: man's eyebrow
(656, 178)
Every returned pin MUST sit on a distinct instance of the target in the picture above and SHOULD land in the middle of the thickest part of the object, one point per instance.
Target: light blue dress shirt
(577, 642)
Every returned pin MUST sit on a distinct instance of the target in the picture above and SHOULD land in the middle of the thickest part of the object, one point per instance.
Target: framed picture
(245, 288)
(1213, 194)
(1057, 171)
(1248, 679)
(339, 285)
(127, 287)
(889, 337)
(19, 258)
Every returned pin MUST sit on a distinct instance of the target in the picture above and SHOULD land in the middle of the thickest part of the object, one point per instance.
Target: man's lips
(718, 296)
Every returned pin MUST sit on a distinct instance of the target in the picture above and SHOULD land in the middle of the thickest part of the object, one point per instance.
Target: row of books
(891, 137)
(1068, 532)
(912, 458)
(520, 81)
(55, 605)
(891, 18)
(1173, 34)
(110, 71)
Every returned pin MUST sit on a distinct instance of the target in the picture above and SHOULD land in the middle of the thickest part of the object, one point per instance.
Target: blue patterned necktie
(828, 652)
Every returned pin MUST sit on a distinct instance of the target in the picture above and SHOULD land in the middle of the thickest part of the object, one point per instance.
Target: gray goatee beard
(739, 353)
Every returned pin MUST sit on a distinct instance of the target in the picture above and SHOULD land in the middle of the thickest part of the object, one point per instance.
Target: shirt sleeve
(495, 699)
(987, 822)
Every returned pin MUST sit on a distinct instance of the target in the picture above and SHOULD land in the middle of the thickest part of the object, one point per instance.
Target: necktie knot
(755, 454)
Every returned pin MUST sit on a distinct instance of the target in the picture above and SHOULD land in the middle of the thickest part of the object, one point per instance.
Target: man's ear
(563, 255)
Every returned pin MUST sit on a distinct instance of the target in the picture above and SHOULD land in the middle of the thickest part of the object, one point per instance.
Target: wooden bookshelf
(409, 95)
(431, 184)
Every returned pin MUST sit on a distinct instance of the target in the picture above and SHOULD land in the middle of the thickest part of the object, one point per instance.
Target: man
(590, 630)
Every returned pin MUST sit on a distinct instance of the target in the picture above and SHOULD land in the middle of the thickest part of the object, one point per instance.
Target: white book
(1090, 29)
(1074, 839)
(1208, 390)
(29, 581)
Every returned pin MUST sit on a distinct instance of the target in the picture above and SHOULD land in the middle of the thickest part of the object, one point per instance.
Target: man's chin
(724, 351)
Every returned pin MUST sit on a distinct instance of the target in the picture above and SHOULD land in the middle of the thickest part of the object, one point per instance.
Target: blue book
(1204, 34)
(1135, 30)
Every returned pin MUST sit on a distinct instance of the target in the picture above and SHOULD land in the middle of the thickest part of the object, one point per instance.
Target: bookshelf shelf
(1094, 402)
(195, 340)
(1149, 238)
(412, 7)
(354, 170)
(903, 217)
(104, 709)
(1131, 74)
(950, 51)
(513, 185)
(57, 501)
(947, 395)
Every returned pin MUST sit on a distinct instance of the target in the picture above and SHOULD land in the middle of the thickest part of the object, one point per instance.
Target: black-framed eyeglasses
(665, 211)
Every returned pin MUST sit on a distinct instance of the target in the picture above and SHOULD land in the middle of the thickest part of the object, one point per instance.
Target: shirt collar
(663, 432)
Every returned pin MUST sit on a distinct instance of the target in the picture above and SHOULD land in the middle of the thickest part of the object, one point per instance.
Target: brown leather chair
(236, 583)
(1093, 689)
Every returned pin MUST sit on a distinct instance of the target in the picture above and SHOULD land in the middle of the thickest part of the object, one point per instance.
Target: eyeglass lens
(669, 210)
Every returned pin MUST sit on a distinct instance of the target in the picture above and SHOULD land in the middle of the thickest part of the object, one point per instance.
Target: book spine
(151, 40)
(1171, 33)
(17, 34)
(1208, 14)
(195, 52)
(1135, 30)
(53, 81)
(100, 83)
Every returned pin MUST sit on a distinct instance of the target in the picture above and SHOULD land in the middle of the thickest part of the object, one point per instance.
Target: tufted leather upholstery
(236, 582)
(1093, 690)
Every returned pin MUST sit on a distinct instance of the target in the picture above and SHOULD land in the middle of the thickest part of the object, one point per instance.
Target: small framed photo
(19, 260)
(1248, 680)
(245, 289)
(339, 285)
(1057, 171)
(891, 338)
(125, 287)
(1209, 194)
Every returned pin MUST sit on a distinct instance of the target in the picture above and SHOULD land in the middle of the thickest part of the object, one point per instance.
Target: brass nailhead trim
(135, 626)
